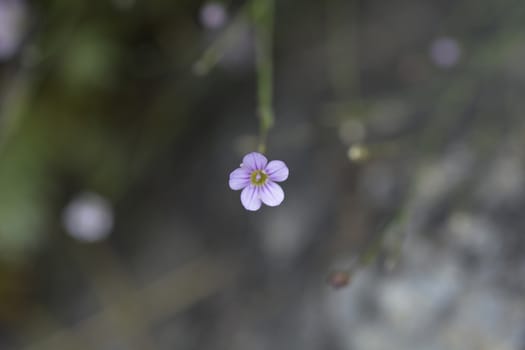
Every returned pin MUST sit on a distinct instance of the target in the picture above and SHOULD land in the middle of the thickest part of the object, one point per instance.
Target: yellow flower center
(258, 178)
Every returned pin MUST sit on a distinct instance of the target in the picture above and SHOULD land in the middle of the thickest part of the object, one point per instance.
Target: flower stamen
(258, 178)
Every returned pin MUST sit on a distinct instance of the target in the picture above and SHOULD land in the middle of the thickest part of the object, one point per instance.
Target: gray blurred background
(402, 125)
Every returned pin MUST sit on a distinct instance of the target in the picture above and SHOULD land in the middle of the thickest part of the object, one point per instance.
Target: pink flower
(257, 179)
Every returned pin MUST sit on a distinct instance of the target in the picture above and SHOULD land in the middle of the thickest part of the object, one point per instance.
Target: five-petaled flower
(257, 178)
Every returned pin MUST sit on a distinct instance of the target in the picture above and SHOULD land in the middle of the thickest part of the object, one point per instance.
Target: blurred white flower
(88, 217)
(213, 15)
(12, 18)
(445, 52)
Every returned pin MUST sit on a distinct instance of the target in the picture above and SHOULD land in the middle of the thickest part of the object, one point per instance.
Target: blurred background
(402, 125)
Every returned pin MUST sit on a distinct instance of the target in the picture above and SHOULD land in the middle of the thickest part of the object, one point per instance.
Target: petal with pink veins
(239, 179)
(254, 161)
(250, 198)
(271, 194)
(277, 170)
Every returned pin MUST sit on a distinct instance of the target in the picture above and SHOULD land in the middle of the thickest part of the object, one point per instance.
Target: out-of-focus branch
(178, 290)
(217, 49)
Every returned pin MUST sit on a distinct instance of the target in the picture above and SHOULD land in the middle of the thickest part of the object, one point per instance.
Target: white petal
(239, 179)
(271, 194)
(250, 198)
(254, 161)
(277, 170)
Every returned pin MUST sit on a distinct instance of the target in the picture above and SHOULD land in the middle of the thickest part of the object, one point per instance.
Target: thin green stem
(263, 17)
